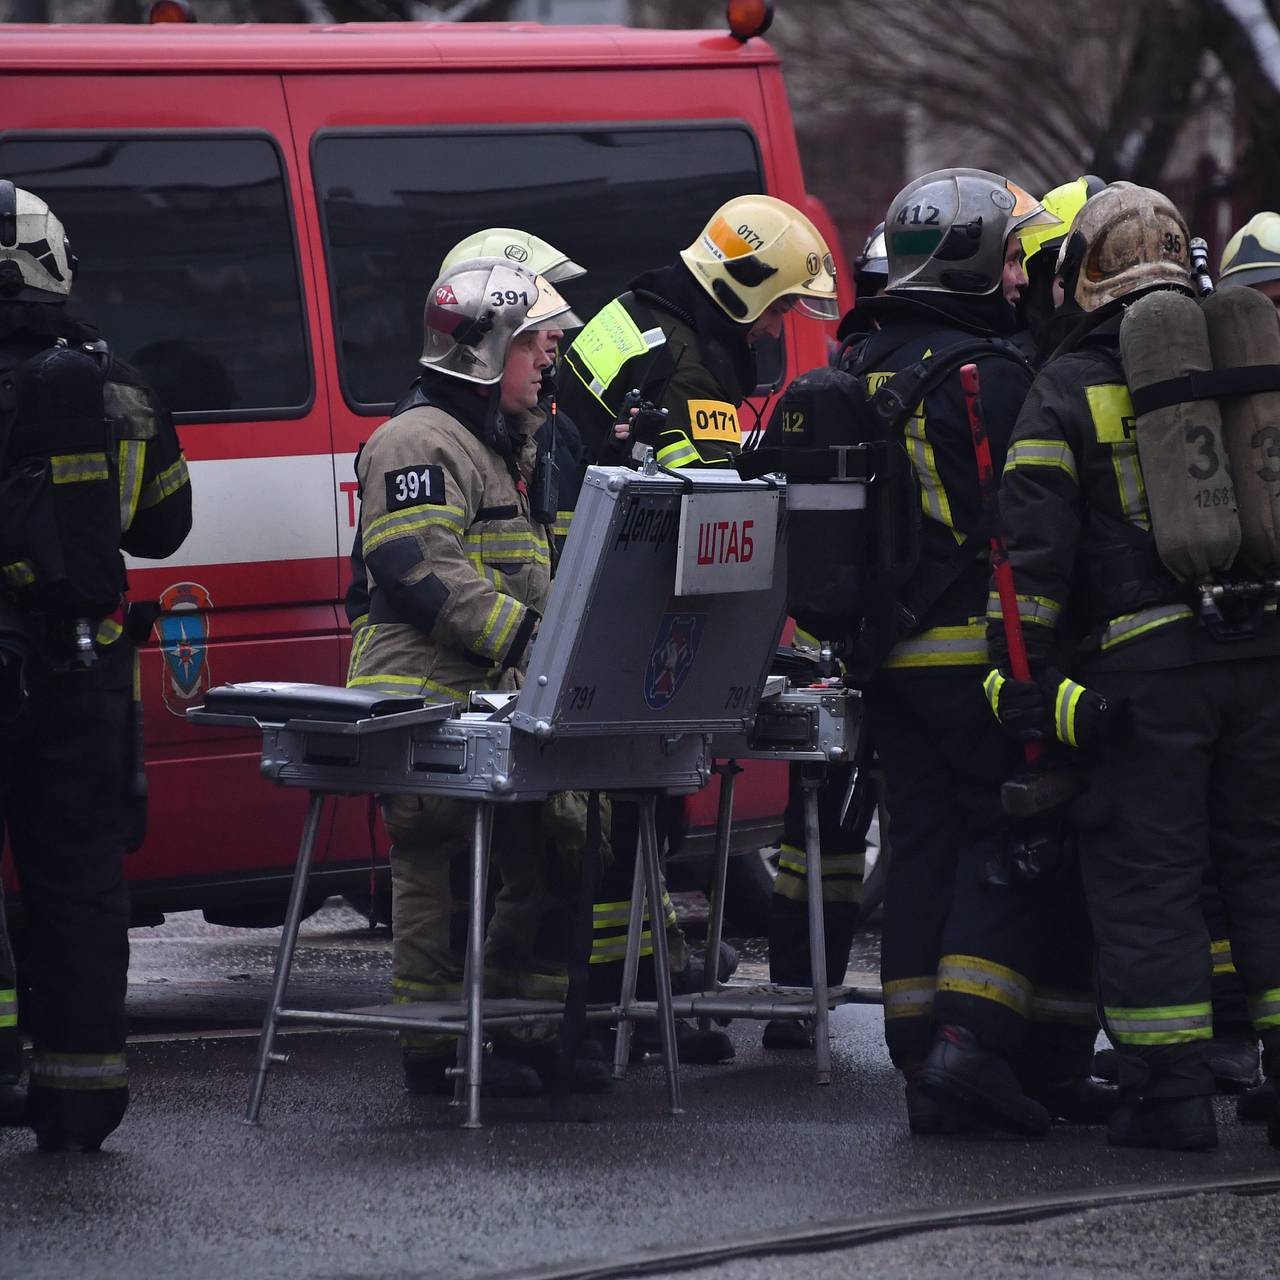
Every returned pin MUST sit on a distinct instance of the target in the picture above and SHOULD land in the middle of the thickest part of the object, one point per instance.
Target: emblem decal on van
(671, 658)
(183, 629)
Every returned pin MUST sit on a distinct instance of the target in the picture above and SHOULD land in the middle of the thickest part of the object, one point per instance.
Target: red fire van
(258, 212)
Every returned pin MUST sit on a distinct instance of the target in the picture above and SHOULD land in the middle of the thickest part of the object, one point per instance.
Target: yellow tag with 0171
(714, 420)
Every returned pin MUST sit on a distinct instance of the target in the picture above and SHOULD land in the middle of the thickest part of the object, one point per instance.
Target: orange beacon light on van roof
(748, 18)
(170, 11)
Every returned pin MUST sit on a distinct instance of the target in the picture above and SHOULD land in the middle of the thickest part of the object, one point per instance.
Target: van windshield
(618, 201)
(187, 261)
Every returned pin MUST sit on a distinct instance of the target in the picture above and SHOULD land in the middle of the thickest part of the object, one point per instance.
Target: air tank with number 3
(1243, 331)
(1185, 467)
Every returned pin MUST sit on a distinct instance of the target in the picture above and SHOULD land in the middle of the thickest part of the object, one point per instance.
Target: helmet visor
(549, 310)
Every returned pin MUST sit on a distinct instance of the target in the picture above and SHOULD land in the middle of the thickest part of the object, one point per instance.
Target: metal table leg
(811, 779)
(661, 964)
(473, 979)
(728, 771)
(284, 958)
(630, 965)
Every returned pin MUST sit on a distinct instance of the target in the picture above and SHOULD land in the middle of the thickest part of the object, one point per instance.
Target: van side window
(618, 201)
(188, 261)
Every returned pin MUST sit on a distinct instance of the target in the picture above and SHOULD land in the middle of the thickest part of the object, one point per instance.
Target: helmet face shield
(475, 310)
(520, 249)
(756, 250)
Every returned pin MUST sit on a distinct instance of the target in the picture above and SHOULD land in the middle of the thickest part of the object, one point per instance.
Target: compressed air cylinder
(1184, 460)
(1243, 330)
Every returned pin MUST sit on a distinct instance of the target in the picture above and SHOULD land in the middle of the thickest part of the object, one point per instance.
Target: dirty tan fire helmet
(1124, 240)
(946, 231)
(36, 262)
(757, 249)
(519, 247)
(476, 309)
(1252, 255)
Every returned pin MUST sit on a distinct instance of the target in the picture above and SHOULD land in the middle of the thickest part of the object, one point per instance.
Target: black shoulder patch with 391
(414, 486)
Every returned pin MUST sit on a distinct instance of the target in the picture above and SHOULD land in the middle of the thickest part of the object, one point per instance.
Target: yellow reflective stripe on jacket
(610, 339)
(1129, 626)
(909, 997)
(561, 526)
(985, 980)
(1220, 950)
(413, 684)
(8, 1007)
(1031, 609)
(1111, 408)
(680, 454)
(132, 457)
(398, 524)
(1042, 453)
(1163, 1024)
(504, 617)
(962, 646)
(1064, 711)
(78, 1071)
(1264, 1008)
(74, 468)
(612, 949)
(513, 547)
(165, 485)
(1076, 1008)
(18, 574)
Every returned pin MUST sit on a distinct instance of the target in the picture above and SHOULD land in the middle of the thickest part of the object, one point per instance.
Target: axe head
(1042, 791)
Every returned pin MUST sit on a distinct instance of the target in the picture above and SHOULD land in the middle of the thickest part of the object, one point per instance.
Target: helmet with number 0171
(519, 248)
(946, 231)
(757, 250)
(476, 309)
(1125, 240)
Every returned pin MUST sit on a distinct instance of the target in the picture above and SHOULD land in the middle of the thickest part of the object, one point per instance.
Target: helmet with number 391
(475, 310)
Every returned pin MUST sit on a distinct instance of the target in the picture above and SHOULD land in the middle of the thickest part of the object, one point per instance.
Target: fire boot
(500, 1077)
(589, 1074)
(1254, 1106)
(1076, 1100)
(930, 1116)
(1166, 1101)
(788, 1033)
(960, 1070)
(13, 1103)
(694, 1047)
(1235, 1062)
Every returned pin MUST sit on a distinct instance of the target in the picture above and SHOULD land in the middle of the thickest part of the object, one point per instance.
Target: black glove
(1022, 706)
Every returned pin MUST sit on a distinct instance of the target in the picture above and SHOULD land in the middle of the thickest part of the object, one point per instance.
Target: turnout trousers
(956, 948)
(64, 778)
(1192, 785)
(525, 951)
(844, 851)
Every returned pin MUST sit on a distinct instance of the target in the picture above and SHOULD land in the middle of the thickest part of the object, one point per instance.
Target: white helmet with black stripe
(36, 262)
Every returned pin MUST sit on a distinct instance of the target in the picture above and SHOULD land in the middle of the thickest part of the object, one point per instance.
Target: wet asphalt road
(348, 1176)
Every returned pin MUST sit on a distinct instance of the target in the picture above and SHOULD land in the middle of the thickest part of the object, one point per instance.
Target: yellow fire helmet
(1064, 203)
(1252, 255)
(519, 247)
(1125, 240)
(757, 249)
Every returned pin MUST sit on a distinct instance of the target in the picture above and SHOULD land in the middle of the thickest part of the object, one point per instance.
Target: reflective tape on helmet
(985, 980)
(1264, 1008)
(1129, 626)
(909, 997)
(1161, 1024)
(78, 1071)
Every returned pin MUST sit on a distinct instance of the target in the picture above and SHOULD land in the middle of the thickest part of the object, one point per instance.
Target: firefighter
(961, 940)
(89, 464)
(847, 799)
(1174, 711)
(459, 573)
(1252, 256)
(683, 336)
